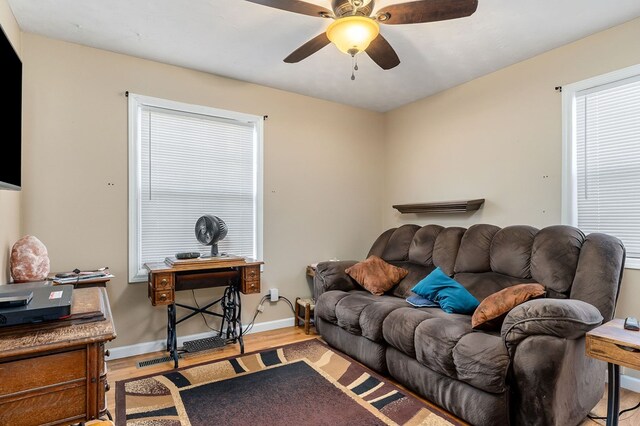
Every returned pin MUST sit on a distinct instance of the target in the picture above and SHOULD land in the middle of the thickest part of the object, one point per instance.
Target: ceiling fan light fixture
(353, 34)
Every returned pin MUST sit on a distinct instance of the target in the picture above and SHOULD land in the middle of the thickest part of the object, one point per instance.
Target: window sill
(632, 263)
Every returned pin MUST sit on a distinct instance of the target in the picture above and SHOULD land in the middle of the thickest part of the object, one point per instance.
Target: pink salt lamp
(29, 260)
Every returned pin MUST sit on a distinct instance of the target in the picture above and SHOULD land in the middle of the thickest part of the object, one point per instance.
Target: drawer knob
(107, 387)
(163, 297)
(253, 285)
(164, 281)
(107, 353)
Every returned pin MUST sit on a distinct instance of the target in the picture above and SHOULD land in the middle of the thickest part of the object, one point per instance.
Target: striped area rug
(303, 383)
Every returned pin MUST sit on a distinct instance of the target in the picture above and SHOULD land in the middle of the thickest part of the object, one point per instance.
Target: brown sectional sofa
(532, 371)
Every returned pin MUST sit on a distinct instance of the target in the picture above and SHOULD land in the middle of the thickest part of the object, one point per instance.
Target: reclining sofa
(532, 371)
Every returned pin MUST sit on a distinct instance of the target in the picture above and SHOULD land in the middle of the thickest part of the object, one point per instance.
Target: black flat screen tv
(11, 119)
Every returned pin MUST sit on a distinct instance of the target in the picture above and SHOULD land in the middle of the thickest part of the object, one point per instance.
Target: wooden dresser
(55, 372)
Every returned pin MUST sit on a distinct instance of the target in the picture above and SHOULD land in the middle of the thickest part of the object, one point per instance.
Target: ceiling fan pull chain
(354, 68)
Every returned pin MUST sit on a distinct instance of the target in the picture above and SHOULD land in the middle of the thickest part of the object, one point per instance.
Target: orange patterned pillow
(492, 310)
(376, 275)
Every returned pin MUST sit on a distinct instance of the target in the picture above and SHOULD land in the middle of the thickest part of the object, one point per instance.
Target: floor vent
(155, 361)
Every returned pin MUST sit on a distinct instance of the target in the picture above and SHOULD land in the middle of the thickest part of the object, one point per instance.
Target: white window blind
(193, 162)
(607, 155)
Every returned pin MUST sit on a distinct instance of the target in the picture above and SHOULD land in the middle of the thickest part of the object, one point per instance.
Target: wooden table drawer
(162, 297)
(615, 353)
(162, 281)
(251, 273)
(38, 372)
(250, 287)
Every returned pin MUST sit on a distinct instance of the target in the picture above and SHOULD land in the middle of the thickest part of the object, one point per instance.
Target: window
(186, 161)
(601, 182)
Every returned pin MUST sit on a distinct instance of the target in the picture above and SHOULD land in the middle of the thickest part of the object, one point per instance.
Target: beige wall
(322, 175)
(9, 200)
(499, 137)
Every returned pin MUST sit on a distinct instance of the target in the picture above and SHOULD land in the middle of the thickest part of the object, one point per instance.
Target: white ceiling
(247, 41)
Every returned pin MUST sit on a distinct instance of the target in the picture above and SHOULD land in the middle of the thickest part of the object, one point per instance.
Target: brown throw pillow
(376, 275)
(490, 314)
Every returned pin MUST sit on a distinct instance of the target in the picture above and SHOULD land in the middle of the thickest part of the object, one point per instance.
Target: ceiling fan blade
(308, 49)
(382, 53)
(426, 11)
(295, 6)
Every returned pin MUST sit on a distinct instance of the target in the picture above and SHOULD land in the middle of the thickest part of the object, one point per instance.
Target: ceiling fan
(356, 28)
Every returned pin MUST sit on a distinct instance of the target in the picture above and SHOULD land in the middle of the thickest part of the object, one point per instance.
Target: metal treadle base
(204, 344)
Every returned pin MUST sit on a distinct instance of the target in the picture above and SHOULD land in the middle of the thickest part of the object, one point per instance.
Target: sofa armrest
(331, 276)
(563, 318)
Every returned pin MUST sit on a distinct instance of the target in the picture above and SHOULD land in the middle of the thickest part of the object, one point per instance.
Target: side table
(618, 347)
(304, 309)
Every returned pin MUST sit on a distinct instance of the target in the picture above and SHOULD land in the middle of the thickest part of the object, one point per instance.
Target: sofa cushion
(492, 310)
(510, 251)
(484, 284)
(326, 304)
(554, 257)
(446, 344)
(376, 275)
(358, 312)
(399, 327)
(349, 308)
(473, 255)
(450, 294)
(482, 361)
(421, 248)
(380, 243)
(446, 248)
(397, 247)
(435, 340)
(415, 275)
(373, 316)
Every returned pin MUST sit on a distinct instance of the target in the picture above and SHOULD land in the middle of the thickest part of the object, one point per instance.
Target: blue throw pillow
(452, 297)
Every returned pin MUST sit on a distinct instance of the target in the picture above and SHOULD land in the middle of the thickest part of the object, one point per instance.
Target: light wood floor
(125, 368)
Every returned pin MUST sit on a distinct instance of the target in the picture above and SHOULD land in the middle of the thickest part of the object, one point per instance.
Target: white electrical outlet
(273, 294)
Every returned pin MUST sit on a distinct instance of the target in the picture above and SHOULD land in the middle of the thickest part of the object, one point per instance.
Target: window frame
(135, 104)
(569, 208)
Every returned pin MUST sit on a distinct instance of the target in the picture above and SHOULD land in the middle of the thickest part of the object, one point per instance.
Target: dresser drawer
(47, 407)
(42, 371)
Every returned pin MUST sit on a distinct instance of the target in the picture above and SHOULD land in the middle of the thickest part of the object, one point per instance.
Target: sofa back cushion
(446, 248)
(473, 255)
(554, 257)
(398, 245)
(510, 251)
(424, 240)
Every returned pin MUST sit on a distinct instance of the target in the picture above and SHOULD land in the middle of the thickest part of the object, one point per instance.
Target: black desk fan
(210, 230)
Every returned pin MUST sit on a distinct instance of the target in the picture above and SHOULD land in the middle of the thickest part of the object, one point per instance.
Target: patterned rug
(303, 383)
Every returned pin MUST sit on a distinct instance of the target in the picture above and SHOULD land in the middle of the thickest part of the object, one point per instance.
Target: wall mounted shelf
(441, 207)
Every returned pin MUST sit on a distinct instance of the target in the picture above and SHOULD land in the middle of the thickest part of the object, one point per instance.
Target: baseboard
(160, 345)
(630, 383)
